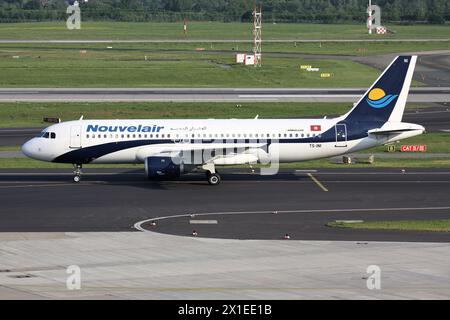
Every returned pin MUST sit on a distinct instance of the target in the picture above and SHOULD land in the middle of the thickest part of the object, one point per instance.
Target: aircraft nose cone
(30, 149)
(26, 148)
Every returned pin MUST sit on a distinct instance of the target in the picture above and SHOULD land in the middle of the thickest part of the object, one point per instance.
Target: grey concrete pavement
(135, 265)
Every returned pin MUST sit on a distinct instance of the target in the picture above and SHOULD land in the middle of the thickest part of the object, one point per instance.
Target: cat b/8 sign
(414, 148)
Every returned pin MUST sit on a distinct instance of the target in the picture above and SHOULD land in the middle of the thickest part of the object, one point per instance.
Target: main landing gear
(77, 173)
(212, 176)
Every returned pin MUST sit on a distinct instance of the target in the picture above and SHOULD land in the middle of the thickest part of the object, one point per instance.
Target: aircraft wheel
(213, 179)
(76, 179)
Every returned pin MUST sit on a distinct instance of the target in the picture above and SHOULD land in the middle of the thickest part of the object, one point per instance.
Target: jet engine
(162, 168)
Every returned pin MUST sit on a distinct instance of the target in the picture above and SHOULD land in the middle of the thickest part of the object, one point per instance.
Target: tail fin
(386, 98)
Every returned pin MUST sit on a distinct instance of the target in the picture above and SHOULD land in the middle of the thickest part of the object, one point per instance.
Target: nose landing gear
(77, 173)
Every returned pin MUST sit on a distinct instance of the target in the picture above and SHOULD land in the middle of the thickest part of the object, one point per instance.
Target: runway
(422, 95)
(242, 206)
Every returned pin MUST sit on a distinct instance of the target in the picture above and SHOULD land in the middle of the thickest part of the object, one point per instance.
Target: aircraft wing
(237, 153)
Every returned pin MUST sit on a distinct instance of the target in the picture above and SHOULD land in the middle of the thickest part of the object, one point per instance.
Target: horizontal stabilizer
(397, 127)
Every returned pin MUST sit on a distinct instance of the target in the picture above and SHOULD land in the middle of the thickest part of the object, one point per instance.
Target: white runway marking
(203, 222)
(138, 225)
(38, 185)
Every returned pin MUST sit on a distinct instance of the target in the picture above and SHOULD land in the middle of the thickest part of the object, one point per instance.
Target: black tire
(76, 178)
(214, 179)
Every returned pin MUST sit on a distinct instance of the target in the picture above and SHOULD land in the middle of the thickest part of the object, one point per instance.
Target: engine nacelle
(160, 168)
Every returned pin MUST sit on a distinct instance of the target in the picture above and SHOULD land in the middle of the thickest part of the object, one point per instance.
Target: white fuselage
(131, 141)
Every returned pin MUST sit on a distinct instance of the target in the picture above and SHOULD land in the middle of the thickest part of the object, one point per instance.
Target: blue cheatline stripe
(356, 130)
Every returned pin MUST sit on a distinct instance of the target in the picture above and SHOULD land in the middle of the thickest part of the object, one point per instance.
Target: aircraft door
(75, 137)
(341, 135)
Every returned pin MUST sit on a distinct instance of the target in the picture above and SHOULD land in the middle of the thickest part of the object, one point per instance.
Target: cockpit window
(47, 135)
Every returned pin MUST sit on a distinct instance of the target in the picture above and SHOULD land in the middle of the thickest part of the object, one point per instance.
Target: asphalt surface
(432, 69)
(243, 205)
(17, 136)
(423, 94)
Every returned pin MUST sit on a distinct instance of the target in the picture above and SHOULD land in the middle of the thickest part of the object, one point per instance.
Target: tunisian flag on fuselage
(316, 127)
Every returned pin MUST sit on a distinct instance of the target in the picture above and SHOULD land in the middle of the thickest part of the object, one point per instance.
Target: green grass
(436, 142)
(210, 30)
(401, 225)
(9, 148)
(40, 66)
(379, 163)
(31, 114)
(20, 163)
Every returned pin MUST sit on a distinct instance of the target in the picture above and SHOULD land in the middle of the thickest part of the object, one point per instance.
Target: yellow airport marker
(321, 186)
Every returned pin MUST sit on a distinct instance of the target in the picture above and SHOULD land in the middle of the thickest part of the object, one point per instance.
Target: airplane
(170, 148)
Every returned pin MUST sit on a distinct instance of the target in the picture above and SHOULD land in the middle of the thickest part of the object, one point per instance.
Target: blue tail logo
(378, 99)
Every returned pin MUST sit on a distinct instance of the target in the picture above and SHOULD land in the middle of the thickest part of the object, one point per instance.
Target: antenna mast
(257, 35)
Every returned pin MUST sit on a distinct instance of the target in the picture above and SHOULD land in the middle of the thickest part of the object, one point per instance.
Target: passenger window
(87, 136)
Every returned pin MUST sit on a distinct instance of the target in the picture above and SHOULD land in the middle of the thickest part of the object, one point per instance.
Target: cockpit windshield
(46, 135)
